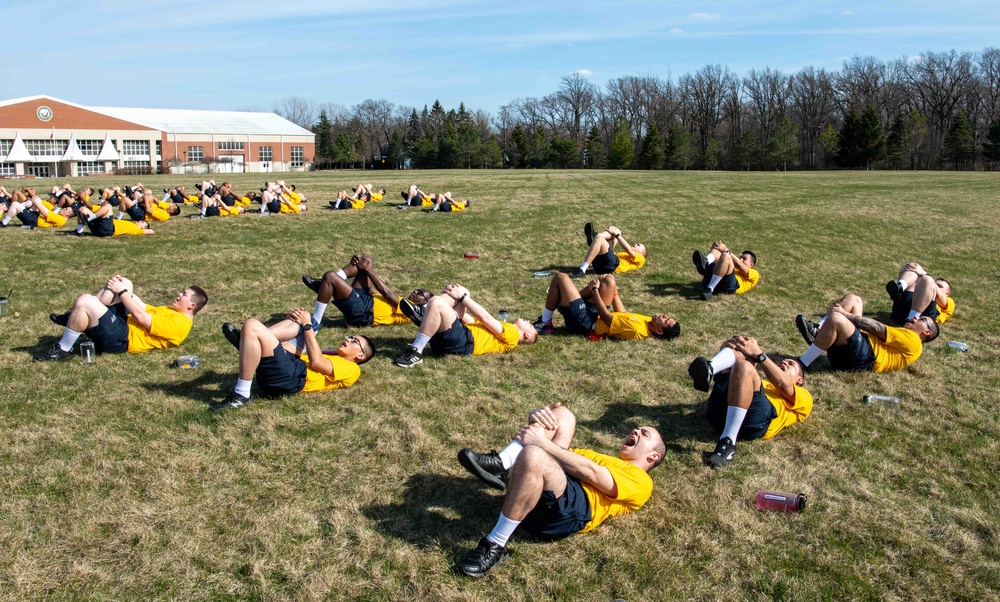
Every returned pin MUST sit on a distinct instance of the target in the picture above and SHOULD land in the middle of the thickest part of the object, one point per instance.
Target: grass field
(117, 483)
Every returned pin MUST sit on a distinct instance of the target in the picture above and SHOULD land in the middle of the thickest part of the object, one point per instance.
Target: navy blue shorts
(759, 415)
(415, 201)
(229, 200)
(137, 212)
(102, 226)
(357, 308)
(555, 518)
(110, 335)
(282, 374)
(178, 198)
(114, 200)
(445, 206)
(728, 284)
(854, 356)
(579, 317)
(457, 340)
(28, 217)
(211, 212)
(274, 206)
(607, 263)
(904, 303)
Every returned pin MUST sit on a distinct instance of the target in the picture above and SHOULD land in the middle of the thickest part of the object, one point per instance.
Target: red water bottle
(776, 501)
(471, 255)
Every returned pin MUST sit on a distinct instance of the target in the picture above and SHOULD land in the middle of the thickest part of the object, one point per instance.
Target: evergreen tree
(414, 131)
(343, 150)
(652, 155)
(897, 145)
(713, 154)
(680, 147)
(847, 142)
(324, 139)
(596, 156)
(447, 147)
(539, 150)
(517, 151)
(622, 147)
(991, 148)
(784, 146)
(871, 141)
(492, 155)
(469, 146)
(564, 153)
(397, 150)
(829, 143)
(746, 150)
(436, 119)
(959, 145)
(424, 153)
(918, 137)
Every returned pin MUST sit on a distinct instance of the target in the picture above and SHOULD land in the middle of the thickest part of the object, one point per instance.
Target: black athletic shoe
(701, 374)
(700, 263)
(232, 401)
(60, 319)
(806, 328)
(588, 231)
(577, 273)
(894, 289)
(54, 353)
(488, 467)
(232, 334)
(706, 294)
(725, 449)
(543, 327)
(413, 311)
(410, 358)
(312, 283)
(480, 561)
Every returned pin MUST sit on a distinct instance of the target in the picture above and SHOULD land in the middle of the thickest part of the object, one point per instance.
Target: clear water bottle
(776, 501)
(883, 401)
(503, 315)
(958, 346)
(88, 352)
(187, 362)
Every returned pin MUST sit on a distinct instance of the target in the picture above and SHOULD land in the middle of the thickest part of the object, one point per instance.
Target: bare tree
(704, 94)
(939, 80)
(578, 95)
(768, 92)
(376, 120)
(813, 107)
(300, 111)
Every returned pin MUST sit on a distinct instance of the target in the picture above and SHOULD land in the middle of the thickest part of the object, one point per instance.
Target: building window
(90, 148)
(47, 148)
(39, 171)
(230, 146)
(159, 149)
(195, 153)
(86, 168)
(266, 153)
(5, 146)
(298, 156)
(135, 148)
(7, 169)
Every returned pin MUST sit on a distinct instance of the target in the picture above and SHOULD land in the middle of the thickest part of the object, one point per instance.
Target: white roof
(108, 152)
(73, 151)
(18, 151)
(180, 121)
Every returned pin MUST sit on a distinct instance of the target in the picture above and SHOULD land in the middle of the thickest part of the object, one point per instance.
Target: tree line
(940, 110)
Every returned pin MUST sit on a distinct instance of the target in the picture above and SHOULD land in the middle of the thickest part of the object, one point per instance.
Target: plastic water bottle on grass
(776, 501)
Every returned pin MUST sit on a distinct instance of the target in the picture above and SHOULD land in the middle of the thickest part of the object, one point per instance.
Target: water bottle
(776, 501)
(187, 361)
(958, 345)
(87, 352)
(503, 315)
(3, 304)
(471, 255)
(884, 401)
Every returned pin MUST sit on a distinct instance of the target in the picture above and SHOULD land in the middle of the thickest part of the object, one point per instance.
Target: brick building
(47, 137)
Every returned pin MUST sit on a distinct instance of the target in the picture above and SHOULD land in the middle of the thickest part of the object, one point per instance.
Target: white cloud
(704, 16)
(847, 13)
(584, 72)
(675, 30)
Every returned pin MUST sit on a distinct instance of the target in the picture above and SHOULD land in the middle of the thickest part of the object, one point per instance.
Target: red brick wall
(64, 117)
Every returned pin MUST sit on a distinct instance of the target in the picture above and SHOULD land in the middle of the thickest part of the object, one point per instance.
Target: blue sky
(229, 55)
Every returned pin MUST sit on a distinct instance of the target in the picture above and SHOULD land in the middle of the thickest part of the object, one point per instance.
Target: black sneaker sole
(477, 574)
(60, 319)
(701, 374)
(588, 231)
(312, 283)
(699, 262)
(892, 287)
(802, 323)
(467, 460)
(409, 310)
(232, 334)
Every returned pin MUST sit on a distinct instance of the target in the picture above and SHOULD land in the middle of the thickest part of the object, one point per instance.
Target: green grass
(116, 483)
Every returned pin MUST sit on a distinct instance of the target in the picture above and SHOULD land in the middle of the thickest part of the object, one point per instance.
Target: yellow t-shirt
(901, 348)
(357, 203)
(624, 326)
(943, 312)
(192, 199)
(634, 489)
(484, 341)
(285, 208)
(376, 197)
(345, 374)
(48, 205)
(294, 197)
(425, 201)
(753, 276)
(457, 207)
(124, 228)
(626, 263)
(52, 220)
(158, 215)
(789, 413)
(385, 314)
(168, 328)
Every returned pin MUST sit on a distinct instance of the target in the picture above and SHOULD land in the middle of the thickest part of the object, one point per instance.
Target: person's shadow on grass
(689, 290)
(438, 511)
(44, 342)
(675, 421)
(207, 387)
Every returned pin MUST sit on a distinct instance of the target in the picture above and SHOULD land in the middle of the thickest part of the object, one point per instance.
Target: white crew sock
(203, 210)
(709, 259)
(584, 266)
(546, 314)
(810, 355)
(342, 274)
(723, 360)
(509, 454)
(121, 215)
(319, 312)
(821, 321)
(902, 285)
(503, 530)
(734, 420)
(913, 314)
(166, 197)
(420, 342)
(6, 219)
(68, 339)
(243, 387)
(714, 281)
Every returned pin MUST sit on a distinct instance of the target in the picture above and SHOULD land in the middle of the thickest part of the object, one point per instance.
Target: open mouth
(631, 440)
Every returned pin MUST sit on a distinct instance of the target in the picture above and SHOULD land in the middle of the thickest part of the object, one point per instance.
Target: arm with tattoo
(873, 327)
